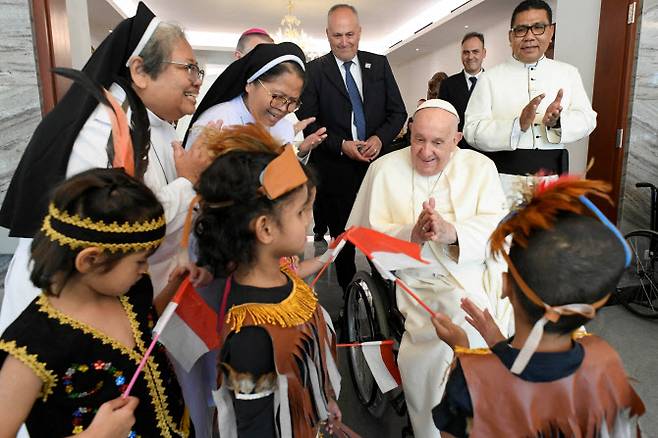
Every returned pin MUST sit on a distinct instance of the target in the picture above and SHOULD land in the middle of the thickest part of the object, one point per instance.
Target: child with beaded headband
(546, 380)
(68, 357)
(277, 374)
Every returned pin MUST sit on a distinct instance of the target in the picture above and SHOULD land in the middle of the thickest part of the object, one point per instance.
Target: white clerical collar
(340, 62)
(531, 65)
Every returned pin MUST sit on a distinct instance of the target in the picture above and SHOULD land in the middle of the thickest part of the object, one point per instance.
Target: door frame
(611, 98)
(52, 49)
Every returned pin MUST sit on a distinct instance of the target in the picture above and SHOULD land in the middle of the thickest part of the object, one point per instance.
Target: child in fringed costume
(277, 371)
(70, 355)
(545, 381)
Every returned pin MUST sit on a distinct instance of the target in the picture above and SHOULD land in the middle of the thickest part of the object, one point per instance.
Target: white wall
(80, 36)
(576, 43)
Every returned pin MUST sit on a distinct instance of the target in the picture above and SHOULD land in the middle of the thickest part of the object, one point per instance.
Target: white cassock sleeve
(578, 120)
(473, 232)
(485, 130)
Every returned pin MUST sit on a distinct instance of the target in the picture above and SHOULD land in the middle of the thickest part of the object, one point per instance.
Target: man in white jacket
(524, 111)
(448, 200)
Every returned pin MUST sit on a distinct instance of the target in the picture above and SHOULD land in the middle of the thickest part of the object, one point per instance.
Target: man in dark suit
(354, 95)
(457, 88)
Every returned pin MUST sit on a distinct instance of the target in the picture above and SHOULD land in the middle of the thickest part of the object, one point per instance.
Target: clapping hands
(431, 226)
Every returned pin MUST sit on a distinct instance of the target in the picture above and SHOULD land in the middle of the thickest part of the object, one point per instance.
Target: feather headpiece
(544, 202)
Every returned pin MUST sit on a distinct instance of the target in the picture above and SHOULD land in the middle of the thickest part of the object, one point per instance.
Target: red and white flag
(386, 252)
(380, 359)
(188, 326)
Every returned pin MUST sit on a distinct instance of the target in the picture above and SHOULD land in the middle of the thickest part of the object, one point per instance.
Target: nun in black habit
(143, 62)
(262, 87)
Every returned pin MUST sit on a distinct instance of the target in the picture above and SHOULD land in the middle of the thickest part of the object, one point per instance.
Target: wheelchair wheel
(364, 319)
(638, 290)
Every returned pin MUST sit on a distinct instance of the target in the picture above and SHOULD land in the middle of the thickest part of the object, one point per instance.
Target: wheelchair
(638, 288)
(371, 314)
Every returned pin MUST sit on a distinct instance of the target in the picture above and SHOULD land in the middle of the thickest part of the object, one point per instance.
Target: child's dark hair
(559, 250)
(578, 260)
(229, 189)
(109, 195)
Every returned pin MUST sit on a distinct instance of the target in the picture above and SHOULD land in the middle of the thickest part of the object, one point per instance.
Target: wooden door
(615, 61)
(53, 49)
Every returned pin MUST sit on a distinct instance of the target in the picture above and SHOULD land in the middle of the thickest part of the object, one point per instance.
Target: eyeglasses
(537, 29)
(280, 102)
(193, 70)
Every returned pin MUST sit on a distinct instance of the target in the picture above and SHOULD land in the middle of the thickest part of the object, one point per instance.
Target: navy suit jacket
(325, 97)
(454, 90)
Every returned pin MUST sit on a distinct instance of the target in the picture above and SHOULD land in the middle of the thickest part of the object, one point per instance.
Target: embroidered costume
(81, 368)
(280, 347)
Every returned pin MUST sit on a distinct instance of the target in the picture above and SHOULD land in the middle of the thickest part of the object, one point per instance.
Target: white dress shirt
(468, 76)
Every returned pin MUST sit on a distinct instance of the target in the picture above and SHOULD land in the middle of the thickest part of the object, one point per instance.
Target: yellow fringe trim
(464, 350)
(296, 309)
(47, 376)
(114, 227)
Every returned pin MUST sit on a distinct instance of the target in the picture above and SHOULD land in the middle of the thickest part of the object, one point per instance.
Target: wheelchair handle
(654, 201)
(645, 185)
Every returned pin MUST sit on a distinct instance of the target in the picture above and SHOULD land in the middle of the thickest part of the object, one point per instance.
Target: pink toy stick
(126, 393)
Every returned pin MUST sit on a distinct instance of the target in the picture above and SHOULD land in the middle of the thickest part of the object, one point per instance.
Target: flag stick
(339, 244)
(317, 277)
(360, 344)
(159, 326)
(141, 366)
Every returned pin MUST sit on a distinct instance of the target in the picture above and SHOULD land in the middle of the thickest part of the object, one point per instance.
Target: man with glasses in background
(524, 111)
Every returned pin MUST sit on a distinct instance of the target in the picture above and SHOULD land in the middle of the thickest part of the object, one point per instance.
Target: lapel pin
(368, 65)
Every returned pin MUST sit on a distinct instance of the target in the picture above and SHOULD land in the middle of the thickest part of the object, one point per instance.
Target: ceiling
(384, 22)
(476, 15)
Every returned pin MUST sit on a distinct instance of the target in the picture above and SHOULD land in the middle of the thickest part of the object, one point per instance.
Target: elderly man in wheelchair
(449, 201)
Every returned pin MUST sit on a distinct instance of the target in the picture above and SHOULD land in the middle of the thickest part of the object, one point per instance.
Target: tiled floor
(635, 339)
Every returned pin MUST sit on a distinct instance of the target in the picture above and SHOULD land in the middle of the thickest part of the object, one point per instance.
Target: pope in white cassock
(449, 201)
(524, 111)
